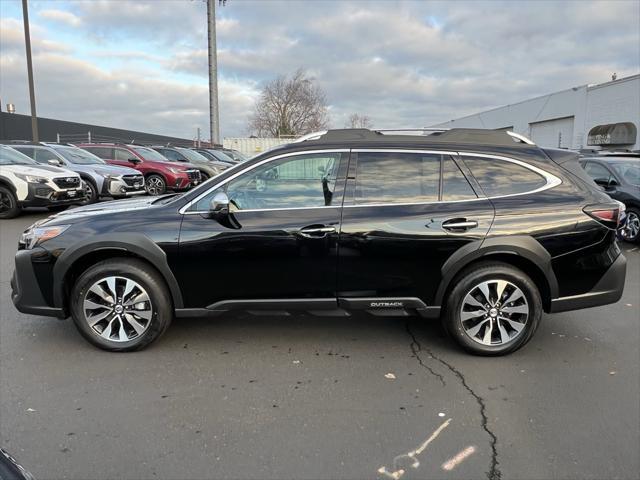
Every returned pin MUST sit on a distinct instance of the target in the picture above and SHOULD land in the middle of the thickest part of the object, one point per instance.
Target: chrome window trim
(551, 180)
(183, 210)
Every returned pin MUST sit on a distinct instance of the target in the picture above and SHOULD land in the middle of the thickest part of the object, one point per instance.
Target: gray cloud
(401, 63)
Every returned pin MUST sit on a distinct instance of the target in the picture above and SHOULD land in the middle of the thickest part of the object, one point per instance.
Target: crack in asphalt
(416, 348)
(494, 471)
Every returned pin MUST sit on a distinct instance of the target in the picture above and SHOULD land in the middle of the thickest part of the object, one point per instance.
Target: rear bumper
(25, 290)
(608, 290)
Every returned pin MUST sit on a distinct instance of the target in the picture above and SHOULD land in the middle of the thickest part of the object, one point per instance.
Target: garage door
(557, 133)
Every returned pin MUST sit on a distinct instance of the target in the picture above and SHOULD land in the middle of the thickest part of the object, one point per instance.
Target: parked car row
(103, 170)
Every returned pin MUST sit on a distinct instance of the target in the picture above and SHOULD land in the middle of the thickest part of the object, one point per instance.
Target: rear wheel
(155, 185)
(494, 309)
(121, 305)
(631, 229)
(204, 177)
(8, 203)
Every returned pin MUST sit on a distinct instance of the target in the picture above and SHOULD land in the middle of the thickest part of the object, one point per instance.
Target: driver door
(280, 240)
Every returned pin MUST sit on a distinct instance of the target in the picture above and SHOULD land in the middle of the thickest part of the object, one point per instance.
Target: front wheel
(494, 309)
(91, 193)
(155, 185)
(631, 229)
(121, 305)
(8, 203)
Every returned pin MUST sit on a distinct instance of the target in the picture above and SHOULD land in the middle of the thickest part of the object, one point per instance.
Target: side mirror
(134, 160)
(606, 182)
(219, 206)
(55, 162)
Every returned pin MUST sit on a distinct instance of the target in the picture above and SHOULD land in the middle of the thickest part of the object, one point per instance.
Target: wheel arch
(76, 260)
(521, 251)
(5, 182)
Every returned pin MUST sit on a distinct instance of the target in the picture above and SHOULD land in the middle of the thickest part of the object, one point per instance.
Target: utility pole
(214, 116)
(32, 94)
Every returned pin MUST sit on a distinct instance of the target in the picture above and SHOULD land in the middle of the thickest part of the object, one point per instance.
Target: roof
(475, 136)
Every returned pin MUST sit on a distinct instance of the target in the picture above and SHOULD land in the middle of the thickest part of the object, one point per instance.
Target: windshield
(149, 154)
(9, 156)
(236, 155)
(78, 156)
(630, 171)
(192, 156)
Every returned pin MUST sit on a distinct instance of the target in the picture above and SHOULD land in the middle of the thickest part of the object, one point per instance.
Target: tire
(155, 184)
(509, 330)
(91, 192)
(631, 230)
(204, 177)
(8, 203)
(112, 331)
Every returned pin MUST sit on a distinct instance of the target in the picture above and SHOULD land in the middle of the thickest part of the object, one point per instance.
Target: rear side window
(500, 177)
(454, 184)
(396, 177)
(105, 153)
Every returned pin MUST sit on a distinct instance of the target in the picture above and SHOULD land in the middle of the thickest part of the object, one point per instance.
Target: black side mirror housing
(134, 160)
(606, 182)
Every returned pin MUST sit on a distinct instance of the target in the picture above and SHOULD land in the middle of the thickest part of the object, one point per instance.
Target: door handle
(459, 224)
(316, 232)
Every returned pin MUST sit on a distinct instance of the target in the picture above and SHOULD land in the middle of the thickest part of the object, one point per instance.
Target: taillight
(606, 214)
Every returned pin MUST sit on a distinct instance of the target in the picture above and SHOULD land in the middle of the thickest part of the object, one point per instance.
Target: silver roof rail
(310, 136)
(422, 130)
(522, 138)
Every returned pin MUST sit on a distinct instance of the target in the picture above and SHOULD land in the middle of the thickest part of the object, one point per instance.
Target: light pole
(32, 94)
(214, 115)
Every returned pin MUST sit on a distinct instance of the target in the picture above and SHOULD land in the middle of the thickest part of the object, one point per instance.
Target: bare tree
(358, 121)
(289, 105)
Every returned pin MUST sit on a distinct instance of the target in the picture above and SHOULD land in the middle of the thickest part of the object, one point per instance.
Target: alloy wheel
(117, 309)
(494, 312)
(155, 186)
(632, 226)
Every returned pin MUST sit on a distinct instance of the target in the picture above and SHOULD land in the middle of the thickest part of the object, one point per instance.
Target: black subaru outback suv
(481, 228)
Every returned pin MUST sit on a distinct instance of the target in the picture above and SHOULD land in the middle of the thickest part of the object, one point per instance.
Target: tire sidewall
(15, 209)
(94, 193)
(142, 274)
(466, 282)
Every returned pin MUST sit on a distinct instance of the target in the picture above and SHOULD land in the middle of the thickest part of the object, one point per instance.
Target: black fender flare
(523, 246)
(5, 181)
(136, 243)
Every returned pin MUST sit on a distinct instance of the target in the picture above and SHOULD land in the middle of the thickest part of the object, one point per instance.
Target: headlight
(32, 178)
(176, 170)
(36, 235)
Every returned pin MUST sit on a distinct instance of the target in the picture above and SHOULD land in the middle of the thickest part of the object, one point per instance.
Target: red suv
(160, 173)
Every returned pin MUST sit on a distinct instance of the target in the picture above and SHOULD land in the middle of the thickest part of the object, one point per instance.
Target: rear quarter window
(500, 177)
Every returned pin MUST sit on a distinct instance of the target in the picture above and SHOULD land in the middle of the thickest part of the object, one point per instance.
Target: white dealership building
(606, 115)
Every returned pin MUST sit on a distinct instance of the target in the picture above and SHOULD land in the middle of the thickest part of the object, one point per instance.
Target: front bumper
(124, 187)
(25, 289)
(608, 290)
(42, 195)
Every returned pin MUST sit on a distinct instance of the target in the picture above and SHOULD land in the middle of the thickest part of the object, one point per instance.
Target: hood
(103, 208)
(115, 170)
(48, 171)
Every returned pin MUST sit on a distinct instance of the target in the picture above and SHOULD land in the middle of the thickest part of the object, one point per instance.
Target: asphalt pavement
(303, 397)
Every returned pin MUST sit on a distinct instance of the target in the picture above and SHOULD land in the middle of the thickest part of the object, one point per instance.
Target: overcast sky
(142, 65)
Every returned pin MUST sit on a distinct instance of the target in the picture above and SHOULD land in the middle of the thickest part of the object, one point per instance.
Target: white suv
(25, 183)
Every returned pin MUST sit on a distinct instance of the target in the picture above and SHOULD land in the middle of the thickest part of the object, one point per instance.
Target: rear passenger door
(405, 213)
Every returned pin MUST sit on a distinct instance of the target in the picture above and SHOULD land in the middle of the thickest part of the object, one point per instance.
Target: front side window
(597, 171)
(396, 177)
(40, 155)
(630, 171)
(301, 181)
(79, 156)
(149, 154)
(123, 155)
(9, 156)
(172, 155)
(500, 177)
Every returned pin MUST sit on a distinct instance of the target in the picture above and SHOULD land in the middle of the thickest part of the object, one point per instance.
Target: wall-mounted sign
(613, 134)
